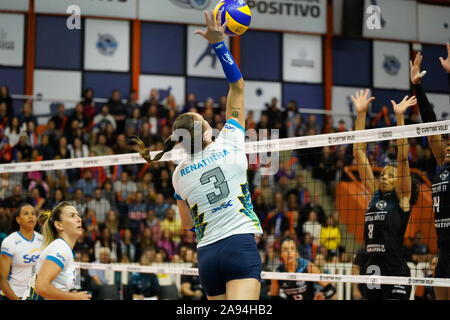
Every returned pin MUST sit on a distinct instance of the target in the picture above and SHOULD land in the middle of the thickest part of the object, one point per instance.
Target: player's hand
(214, 31)
(414, 67)
(446, 63)
(82, 295)
(400, 108)
(319, 296)
(361, 100)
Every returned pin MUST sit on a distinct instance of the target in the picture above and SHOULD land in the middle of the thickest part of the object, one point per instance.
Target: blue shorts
(235, 257)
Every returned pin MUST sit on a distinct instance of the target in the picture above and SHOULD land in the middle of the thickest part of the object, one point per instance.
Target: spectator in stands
(46, 149)
(105, 240)
(87, 184)
(191, 288)
(311, 127)
(146, 183)
(419, 250)
(91, 223)
(144, 286)
(88, 103)
(57, 197)
(98, 203)
(109, 193)
(104, 118)
(22, 150)
(32, 137)
(60, 118)
(36, 181)
(133, 123)
(111, 135)
(127, 247)
(100, 148)
(159, 206)
(289, 119)
(427, 292)
(145, 242)
(167, 243)
(117, 110)
(4, 118)
(153, 100)
(78, 149)
(12, 131)
(26, 114)
(191, 102)
(277, 217)
(52, 133)
(98, 277)
(300, 190)
(308, 249)
(6, 186)
(7, 100)
(16, 199)
(313, 226)
(78, 202)
(263, 123)
(174, 225)
(121, 146)
(164, 185)
(137, 211)
(62, 150)
(36, 200)
(132, 103)
(260, 207)
(330, 236)
(124, 187)
(313, 204)
(84, 122)
(112, 223)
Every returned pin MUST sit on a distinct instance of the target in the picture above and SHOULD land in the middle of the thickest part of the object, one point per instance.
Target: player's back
(214, 184)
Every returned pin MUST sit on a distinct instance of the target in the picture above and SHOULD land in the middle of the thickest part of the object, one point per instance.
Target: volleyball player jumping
(19, 253)
(441, 183)
(212, 191)
(388, 212)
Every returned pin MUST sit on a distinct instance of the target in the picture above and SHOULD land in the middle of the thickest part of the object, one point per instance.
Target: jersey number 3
(220, 184)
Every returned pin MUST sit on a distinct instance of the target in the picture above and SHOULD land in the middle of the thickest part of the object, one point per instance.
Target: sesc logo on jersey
(228, 127)
(444, 175)
(30, 257)
(223, 206)
(381, 205)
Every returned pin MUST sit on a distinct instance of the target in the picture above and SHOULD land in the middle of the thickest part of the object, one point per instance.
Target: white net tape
(321, 140)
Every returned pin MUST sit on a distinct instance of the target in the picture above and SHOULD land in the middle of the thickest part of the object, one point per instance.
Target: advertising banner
(391, 65)
(12, 39)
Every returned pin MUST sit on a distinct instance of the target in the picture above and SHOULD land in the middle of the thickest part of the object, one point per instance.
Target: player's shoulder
(232, 125)
(11, 240)
(39, 237)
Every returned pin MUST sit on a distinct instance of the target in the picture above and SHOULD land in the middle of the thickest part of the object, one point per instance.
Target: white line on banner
(320, 140)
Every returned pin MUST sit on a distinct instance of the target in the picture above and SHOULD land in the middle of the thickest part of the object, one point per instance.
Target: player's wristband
(229, 66)
(329, 291)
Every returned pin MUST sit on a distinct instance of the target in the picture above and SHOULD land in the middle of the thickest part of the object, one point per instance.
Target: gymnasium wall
(287, 65)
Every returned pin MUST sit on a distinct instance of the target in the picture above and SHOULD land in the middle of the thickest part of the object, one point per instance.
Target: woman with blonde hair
(54, 276)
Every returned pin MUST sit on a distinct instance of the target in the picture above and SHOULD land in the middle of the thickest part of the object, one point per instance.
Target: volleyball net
(307, 188)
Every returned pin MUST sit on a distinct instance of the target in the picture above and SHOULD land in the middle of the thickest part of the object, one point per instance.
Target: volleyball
(239, 14)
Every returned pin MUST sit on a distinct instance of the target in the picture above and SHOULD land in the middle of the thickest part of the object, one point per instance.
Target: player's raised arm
(361, 103)
(427, 114)
(215, 35)
(403, 186)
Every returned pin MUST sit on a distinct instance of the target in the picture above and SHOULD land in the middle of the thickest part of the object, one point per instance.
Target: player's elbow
(238, 85)
(40, 288)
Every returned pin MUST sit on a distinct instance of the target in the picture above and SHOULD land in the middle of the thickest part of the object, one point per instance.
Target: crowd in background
(131, 211)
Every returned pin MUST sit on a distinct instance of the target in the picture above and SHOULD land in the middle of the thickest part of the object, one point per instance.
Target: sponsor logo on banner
(5, 43)
(341, 139)
(192, 4)
(384, 134)
(302, 60)
(420, 281)
(391, 65)
(438, 128)
(302, 9)
(107, 44)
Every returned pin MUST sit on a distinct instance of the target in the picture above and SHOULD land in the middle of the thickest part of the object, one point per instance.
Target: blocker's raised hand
(214, 31)
(403, 105)
(361, 100)
(446, 63)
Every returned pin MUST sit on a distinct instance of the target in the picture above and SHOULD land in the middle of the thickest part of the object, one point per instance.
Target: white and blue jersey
(214, 184)
(24, 255)
(60, 252)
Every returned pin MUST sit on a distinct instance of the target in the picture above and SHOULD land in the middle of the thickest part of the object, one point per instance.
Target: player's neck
(28, 234)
